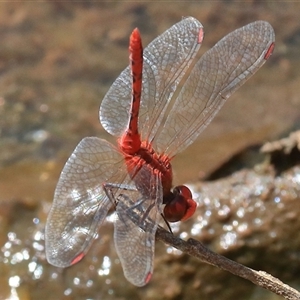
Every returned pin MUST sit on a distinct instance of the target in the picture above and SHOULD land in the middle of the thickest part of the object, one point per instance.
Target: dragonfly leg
(135, 212)
(134, 209)
(110, 190)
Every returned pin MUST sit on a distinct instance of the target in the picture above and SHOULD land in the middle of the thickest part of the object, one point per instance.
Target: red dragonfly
(152, 124)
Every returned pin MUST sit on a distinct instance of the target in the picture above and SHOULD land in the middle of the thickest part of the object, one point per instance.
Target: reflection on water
(57, 61)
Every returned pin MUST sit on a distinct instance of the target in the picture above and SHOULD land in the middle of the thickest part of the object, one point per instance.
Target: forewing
(80, 205)
(135, 228)
(166, 59)
(218, 73)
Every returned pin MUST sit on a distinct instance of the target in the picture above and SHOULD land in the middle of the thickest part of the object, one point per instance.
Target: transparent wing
(218, 73)
(136, 226)
(166, 59)
(80, 204)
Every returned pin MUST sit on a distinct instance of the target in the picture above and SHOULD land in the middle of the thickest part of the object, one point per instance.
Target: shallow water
(57, 60)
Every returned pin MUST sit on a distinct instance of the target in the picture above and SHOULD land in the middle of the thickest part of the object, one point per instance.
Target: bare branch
(198, 250)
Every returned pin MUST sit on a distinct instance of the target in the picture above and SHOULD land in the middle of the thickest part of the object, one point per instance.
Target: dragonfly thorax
(150, 162)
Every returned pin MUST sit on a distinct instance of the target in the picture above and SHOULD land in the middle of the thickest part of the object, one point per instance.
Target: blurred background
(57, 60)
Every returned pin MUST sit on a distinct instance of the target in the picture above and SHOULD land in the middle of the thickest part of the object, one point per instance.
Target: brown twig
(198, 250)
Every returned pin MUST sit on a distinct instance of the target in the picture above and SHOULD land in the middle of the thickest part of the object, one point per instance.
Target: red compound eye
(181, 207)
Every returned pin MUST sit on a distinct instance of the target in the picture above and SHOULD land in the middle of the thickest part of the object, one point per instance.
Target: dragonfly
(156, 108)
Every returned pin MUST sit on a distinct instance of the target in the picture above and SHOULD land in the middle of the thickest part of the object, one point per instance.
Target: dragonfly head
(180, 205)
